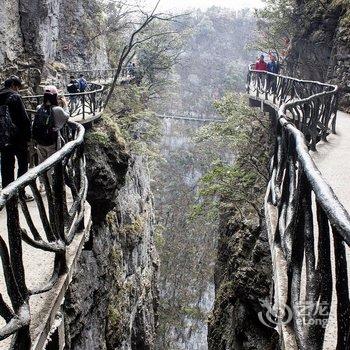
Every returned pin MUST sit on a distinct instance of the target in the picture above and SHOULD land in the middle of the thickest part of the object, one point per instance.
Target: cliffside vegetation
(207, 183)
(239, 159)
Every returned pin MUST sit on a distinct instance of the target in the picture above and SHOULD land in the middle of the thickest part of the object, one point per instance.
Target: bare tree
(136, 40)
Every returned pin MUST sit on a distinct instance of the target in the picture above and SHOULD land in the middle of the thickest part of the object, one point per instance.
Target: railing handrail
(89, 92)
(325, 195)
(10, 190)
(59, 218)
(292, 78)
(306, 222)
(92, 70)
(323, 192)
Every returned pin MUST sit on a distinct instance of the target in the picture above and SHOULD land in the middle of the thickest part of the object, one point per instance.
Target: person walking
(272, 67)
(73, 88)
(50, 118)
(128, 69)
(16, 147)
(82, 83)
(261, 66)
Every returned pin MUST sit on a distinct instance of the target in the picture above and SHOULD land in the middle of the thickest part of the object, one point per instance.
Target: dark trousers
(272, 84)
(8, 156)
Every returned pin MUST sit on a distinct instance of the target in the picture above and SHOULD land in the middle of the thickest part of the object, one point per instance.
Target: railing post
(15, 243)
(83, 103)
(93, 102)
(248, 82)
(58, 190)
(335, 110)
(22, 339)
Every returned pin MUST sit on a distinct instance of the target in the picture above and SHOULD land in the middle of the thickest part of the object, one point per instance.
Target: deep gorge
(179, 256)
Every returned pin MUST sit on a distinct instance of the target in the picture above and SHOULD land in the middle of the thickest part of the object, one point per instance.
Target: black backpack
(7, 128)
(73, 87)
(43, 127)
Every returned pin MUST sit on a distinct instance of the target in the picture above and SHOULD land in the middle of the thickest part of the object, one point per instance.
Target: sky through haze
(204, 4)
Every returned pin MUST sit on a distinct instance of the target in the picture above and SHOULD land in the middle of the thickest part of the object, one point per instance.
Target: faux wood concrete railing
(84, 107)
(48, 226)
(308, 226)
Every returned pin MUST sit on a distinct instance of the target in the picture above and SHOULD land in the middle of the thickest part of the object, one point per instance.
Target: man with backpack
(15, 132)
(73, 86)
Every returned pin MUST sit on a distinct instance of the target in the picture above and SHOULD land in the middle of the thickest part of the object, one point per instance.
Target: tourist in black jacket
(18, 147)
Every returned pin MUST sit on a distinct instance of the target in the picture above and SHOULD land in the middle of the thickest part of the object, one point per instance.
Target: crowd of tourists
(130, 69)
(76, 86)
(17, 130)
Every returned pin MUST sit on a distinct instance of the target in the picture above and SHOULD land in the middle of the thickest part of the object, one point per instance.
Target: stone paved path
(38, 268)
(333, 160)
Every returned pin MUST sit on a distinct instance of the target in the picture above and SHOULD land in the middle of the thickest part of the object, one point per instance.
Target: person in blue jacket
(273, 67)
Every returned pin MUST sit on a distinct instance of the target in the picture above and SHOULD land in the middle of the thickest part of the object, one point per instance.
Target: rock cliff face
(242, 279)
(113, 299)
(321, 48)
(39, 37)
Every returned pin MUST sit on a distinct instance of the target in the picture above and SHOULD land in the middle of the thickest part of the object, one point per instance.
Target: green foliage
(138, 125)
(159, 236)
(106, 133)
(275, 26)
(157, 56)
(98, 137)
(135, 228)
(194, 312)
(235, 183)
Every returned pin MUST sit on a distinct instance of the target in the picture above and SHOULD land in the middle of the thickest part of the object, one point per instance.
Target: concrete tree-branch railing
(85, 105)
(305, 218)
(97, 75)
(52, 231)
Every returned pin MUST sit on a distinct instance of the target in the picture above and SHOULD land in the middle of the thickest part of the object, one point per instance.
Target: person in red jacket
(261, 64)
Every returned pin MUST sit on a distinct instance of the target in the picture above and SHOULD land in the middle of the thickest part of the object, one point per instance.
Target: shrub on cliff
(237, 175)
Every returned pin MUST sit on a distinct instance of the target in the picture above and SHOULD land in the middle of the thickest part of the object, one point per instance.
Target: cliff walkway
(307, 209)
(41, 241)
(307, 219)
(189, 118)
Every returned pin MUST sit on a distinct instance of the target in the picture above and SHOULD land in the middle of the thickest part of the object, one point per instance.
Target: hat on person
(13, 79)
(51, 89)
